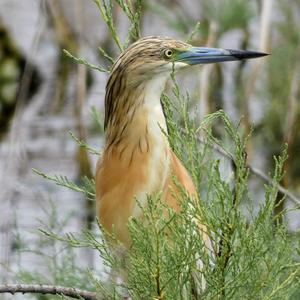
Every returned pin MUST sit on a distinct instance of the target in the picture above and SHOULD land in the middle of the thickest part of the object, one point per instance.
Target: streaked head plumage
(150, 55)
(154, 55)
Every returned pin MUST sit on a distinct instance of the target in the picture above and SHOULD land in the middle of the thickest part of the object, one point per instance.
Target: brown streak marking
(132, 154)
(122, 151)
(112, 141)
(148, 147)
(121, 134)
(140, 145)
(133, 114)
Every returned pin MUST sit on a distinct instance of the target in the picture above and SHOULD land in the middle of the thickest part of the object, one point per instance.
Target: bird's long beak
(204, 55)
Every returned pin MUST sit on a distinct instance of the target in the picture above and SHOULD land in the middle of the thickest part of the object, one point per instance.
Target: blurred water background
(44, 95)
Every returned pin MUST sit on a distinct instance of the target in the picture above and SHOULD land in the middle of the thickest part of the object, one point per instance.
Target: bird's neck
(138, 123)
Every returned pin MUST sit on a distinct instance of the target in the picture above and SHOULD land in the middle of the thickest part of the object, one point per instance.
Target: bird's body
(137, 159)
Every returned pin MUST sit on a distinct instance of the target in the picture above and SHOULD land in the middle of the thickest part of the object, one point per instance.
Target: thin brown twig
(48, 289)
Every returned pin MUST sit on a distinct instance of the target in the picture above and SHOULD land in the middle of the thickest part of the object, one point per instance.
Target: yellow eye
(168, 53)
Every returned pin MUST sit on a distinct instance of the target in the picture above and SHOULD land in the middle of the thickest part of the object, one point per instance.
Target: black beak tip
(246, 54)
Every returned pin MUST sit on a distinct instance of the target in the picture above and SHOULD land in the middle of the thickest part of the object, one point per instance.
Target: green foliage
(83, 61)
(281, 81)
(87, 188)
(249, 257)
(83, 144)
(133, 13)
(106, 11)
(175, 18)
(229, 14)
(60, 262)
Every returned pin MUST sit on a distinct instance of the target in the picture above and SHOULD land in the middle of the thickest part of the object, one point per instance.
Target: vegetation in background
(282, 120)
(14, 88)
(253, 255)
(250, 258)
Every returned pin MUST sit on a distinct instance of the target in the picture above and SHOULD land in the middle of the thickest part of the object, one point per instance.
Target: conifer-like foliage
(252, 256)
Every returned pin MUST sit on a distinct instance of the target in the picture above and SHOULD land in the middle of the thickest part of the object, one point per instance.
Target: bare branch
(47, 289)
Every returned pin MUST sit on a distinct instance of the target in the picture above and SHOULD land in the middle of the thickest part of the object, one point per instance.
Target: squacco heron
(137, 160)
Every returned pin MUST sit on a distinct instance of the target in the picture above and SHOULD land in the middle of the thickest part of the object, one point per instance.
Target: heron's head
(152, 56)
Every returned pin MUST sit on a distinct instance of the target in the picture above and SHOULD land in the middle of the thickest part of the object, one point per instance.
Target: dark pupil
(169, 53)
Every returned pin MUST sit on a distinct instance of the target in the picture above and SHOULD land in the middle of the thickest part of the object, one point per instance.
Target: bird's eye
(168, 53)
